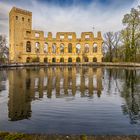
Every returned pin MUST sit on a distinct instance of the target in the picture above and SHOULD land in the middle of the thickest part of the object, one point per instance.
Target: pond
(70, 100)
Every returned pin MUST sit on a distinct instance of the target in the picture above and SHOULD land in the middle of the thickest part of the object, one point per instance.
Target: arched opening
(69, 48)
(86, 48)
(54, 48)
(94, 59)
(61, 48)
(28, 46)
(86, 59)
(78, 48)
(37, 47)
(61, 60)
(45, 47)
(28, 59)
(78, 59)
(54, 60)
(70, 60)
(95, 48)
(45, 60)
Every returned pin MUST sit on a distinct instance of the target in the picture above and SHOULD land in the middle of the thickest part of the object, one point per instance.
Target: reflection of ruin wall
(63, 80)
(30, 84)
(19, 99)
(21, 32)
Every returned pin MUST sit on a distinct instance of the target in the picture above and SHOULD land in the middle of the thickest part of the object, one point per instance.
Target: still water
(70, 100)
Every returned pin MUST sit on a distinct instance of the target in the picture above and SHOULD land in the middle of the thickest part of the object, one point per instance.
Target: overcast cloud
(104, 15)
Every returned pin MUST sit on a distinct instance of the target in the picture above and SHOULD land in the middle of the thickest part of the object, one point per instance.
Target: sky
(70, 15)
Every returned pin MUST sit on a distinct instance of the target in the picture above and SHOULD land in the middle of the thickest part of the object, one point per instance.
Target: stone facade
(27, 45)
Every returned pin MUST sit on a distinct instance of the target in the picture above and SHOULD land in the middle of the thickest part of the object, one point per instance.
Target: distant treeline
(124, 45)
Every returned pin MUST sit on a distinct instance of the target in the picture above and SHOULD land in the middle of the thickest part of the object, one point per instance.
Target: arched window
(28, 59)
(70, 59)
(95, 48)
(45, 47)
(69, 48)
(61, 60)
(78, 59)
(28, 46)
(78, 48)
(94, 59)
(37, 47)
(54, 60)
(86, 59)
(54, 48)
(45, 60)
(86, 48)
(61, 48)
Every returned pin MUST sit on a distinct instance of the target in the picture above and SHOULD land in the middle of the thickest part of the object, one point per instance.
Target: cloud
(75, 17)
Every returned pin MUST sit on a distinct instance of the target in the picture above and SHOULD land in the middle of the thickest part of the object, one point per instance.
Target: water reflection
(88, 98)
(131, 93)
(3, 78)
(32, 84)
(127, 83)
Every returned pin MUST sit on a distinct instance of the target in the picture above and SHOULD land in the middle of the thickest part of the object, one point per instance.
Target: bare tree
(117, 42)
(4, 51)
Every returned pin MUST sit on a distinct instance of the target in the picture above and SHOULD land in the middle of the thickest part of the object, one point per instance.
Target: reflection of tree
(126, 82)
(3, 77)
(132, 96)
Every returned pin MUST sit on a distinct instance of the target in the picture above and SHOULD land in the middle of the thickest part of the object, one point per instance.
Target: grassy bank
(20, 136)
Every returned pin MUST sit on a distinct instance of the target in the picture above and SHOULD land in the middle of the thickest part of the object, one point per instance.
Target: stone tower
(19, 20)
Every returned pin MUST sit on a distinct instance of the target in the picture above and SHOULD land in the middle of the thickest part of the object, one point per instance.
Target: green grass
(20, 136)
(14, 136)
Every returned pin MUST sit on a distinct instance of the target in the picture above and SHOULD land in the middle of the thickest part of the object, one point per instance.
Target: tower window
(36, 34)
(28, 20)
(22, 18)
(16, 17)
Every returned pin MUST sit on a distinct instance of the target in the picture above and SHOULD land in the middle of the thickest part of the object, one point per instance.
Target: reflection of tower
(19, 98)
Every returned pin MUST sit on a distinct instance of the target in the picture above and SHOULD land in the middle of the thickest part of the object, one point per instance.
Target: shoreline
(103, 64)
(22, 136)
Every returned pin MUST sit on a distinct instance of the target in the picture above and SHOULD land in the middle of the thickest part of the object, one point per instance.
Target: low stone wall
(71, 64)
